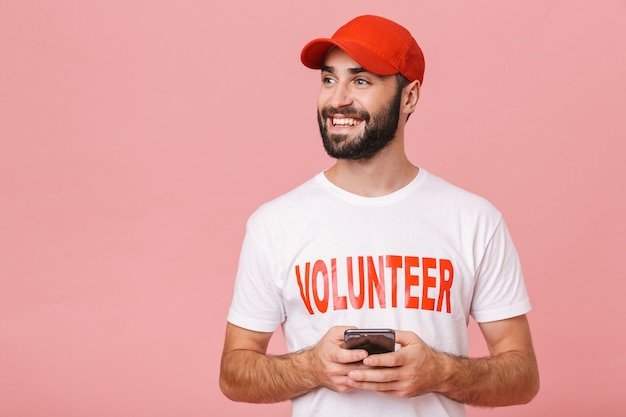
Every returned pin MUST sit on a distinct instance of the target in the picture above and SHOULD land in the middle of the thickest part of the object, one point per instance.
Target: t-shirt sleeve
(256, 303)
(500, 292)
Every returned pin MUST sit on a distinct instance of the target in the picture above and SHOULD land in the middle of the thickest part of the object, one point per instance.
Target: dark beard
(375, 137)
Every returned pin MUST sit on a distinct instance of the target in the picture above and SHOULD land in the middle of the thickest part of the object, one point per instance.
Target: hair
(402, 81)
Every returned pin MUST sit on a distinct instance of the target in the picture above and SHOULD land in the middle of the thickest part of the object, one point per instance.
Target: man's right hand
(249, 374)
(330, 362)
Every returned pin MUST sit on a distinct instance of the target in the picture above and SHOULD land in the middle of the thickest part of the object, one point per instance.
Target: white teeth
(345, 122)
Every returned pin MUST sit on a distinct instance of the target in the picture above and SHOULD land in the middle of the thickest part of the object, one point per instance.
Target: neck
(386, 172)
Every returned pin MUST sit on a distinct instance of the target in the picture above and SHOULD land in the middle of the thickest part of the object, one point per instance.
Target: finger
(373, 375)
(387, 360)
(404, 338)
(350, 355)
(340, 384)
(387, 388)
(336, 332)
(382, 387)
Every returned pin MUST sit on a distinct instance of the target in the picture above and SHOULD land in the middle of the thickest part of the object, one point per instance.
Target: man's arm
(248, 374)
(508, 376)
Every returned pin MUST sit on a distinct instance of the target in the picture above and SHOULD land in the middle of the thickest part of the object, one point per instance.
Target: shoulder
(453, 196)
(287, 205)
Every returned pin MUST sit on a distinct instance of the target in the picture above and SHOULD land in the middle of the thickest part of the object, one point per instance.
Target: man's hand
(332, 362)
(508, 376)
(249, 374)
(412, 370)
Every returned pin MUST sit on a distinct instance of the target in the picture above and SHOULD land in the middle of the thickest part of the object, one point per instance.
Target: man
(375, 241)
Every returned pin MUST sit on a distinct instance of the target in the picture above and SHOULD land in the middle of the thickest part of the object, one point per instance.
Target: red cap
(379, 45)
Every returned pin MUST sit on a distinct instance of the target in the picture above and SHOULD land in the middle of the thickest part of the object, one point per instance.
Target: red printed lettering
(425, 282)
(428, 282)
(339, 301)
(410, 280)
(394, 262)
(446, 275)
(304, 288)
(356, 301)
(321, 302)
(376, 284)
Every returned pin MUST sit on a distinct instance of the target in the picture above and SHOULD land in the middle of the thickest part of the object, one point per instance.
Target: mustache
(327, 111)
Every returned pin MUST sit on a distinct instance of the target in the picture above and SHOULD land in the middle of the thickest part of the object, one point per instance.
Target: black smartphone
(372, 340)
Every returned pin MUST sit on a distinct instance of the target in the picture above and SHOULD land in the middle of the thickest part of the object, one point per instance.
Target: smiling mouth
(345, 121)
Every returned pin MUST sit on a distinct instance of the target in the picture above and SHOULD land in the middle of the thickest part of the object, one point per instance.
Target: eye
(361, 82)
(326, 80)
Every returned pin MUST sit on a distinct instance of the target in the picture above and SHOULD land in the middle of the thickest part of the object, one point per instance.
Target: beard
(375, 136)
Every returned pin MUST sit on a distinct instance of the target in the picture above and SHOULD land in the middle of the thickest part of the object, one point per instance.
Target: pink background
(138, 135)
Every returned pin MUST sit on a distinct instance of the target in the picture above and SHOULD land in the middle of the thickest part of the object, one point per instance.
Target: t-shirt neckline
(360, 200)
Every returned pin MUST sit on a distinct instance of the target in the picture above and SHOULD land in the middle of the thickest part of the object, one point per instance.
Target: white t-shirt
(423, 258)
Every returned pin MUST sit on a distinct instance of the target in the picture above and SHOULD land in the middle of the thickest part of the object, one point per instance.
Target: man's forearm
(505, 379)
(254, 377)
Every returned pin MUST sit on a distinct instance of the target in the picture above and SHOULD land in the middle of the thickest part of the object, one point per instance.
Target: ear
(412, 95)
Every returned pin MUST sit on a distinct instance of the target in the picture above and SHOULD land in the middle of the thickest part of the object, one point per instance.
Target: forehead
(337, 58)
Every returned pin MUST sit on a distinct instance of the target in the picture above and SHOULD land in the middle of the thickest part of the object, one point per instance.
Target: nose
(341, 95)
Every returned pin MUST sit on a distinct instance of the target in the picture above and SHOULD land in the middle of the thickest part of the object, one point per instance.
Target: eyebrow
(356, 70)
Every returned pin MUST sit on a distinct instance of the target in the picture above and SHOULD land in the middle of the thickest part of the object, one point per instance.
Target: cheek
(323, 99)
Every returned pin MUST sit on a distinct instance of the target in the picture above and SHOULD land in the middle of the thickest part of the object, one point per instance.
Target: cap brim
(314, 53)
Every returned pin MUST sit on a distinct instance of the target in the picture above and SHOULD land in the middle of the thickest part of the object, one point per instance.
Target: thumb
(405, 338)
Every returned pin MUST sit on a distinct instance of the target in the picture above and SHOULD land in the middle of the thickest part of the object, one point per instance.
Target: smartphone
(372, 340)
